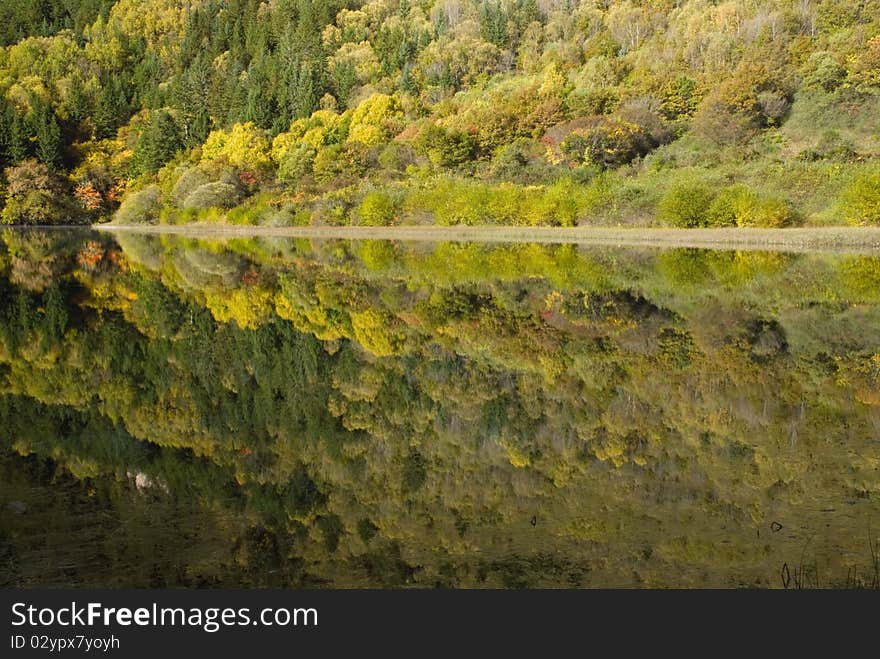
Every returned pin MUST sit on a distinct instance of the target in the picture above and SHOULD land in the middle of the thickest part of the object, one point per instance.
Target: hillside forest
(680, 113)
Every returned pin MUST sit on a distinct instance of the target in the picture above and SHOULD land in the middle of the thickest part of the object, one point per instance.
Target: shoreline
(850, 239)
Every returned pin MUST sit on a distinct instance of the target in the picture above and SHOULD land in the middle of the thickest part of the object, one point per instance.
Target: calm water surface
(259, 412)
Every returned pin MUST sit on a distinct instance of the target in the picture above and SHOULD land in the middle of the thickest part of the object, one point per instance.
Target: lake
(278, 412)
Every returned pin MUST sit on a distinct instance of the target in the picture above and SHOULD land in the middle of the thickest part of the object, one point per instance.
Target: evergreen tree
(5, 130)
(50, 146)
(191, 98)
(159, 141)
(112, 108)
(77, 102)
(18, 147)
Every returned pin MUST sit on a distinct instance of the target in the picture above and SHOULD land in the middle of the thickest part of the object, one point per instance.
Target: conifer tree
(159, 141)
(48, 136)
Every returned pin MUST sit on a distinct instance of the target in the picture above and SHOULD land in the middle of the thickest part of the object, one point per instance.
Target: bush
(559, 205)
(377, 209)
(191, 179)
(732, 113)
(396, 157)
(445, 148)
(140, 207)
(730, 206)
(375, 120)
(297, 162)
(340, 161)
(616, 142)
(860, 200)
(574, 147)
(741, 206)
(244, 147)
(768, 212)
(472, 202)
(823, 71)
(216, 194)
(831, 145)
(522, 161)
(686, 204)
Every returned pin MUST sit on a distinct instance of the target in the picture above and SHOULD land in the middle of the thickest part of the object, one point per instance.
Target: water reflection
(329, 413)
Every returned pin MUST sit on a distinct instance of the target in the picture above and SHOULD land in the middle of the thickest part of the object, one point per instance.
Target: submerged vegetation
(268, 412)
(379, 112)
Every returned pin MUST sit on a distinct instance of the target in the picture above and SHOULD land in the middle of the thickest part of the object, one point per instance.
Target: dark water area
(330, 413)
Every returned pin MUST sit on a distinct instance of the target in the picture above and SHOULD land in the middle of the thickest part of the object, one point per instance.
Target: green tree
(159, 140)
(49, 142)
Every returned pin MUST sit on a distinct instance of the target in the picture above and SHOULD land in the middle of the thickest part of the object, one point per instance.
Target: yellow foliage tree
(247, 306)
(375, 120)
(371, 330)
(244, 147)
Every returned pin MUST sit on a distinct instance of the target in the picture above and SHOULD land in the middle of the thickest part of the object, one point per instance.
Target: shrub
(741, 104)
(741, 206)
(340, 160)
(831, 145)
(375, 120)
(616, 142)
(503, 204)
(216, 194)
(823, 71)
(140, 207)
(768, 212)
(445, 148)
(396, 157)
(377, 209)
(679, 97)
(860, 200)
(731, 204)
(559, 205)
(521, 161)
(574, 147)
(191, 179)
(296, 162)
(686, 204)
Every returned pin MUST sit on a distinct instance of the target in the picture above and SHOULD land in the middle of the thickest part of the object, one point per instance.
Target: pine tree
(309, 87)
(112, 109)
(5, 130)
(76, 103)
(261, 106)
(160, 140)
(191, 98)
(50, 147)
(18, 147)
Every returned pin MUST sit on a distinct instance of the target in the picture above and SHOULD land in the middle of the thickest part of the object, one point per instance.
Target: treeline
(651, 109)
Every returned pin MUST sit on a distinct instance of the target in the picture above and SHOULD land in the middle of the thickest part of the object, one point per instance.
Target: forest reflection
(276, 412)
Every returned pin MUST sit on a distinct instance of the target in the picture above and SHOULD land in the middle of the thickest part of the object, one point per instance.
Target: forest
(682, 113)
(262, 412)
